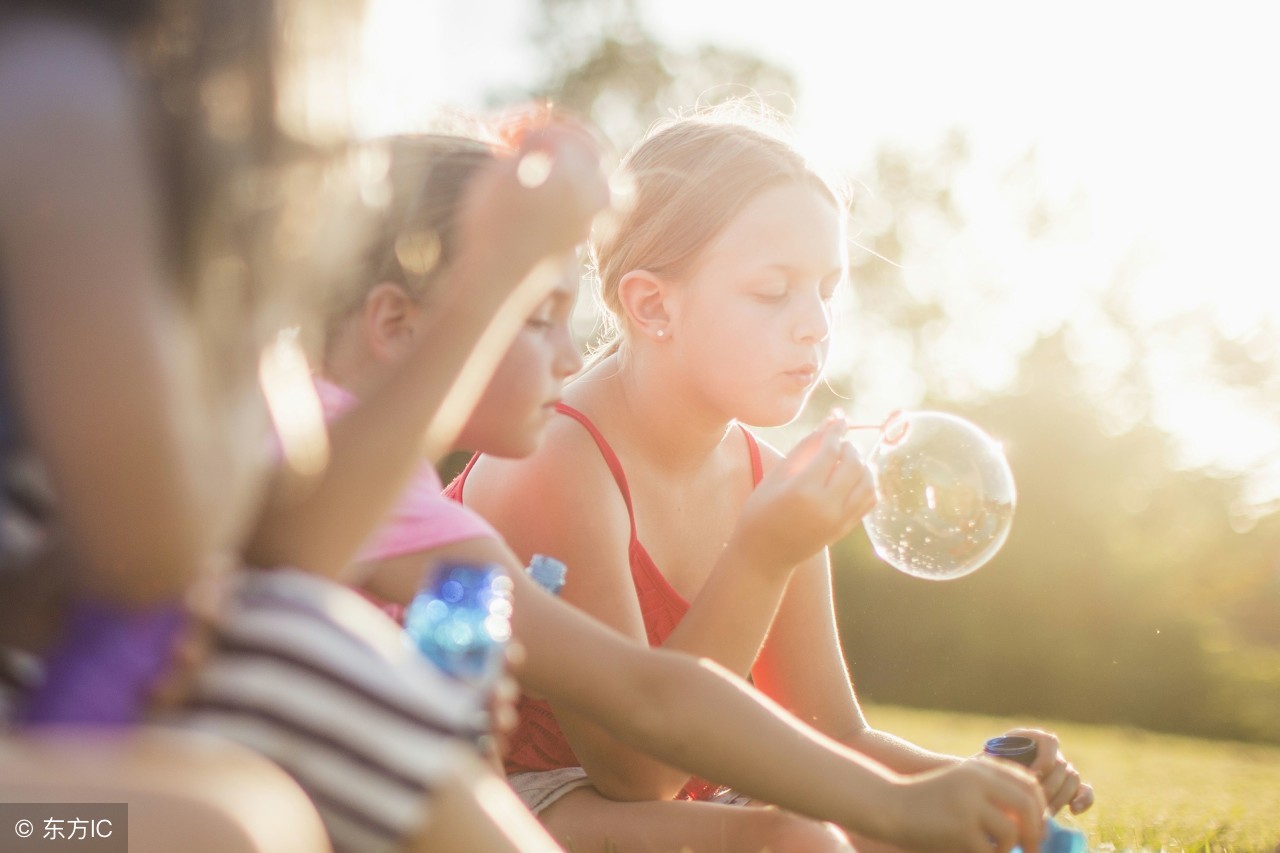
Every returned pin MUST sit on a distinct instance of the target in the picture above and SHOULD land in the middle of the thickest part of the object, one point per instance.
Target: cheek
(519, 382)
(744, 337)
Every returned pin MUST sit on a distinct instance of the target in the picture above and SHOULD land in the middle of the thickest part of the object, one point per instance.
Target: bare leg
(475, 809)
(585, 822)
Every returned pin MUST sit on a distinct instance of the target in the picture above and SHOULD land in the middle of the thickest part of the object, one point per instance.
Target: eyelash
(771, 298)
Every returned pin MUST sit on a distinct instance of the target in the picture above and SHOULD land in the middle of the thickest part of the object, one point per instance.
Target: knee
(779, 831)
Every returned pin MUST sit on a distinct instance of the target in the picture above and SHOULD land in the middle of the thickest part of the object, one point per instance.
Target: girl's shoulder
(567, 445)
(769, 455)
(564, 482)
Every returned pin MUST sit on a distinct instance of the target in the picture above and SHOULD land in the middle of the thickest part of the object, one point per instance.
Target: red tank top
(537, 743)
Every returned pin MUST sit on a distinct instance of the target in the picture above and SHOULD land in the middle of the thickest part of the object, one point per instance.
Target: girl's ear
(388, 320)
(645, 301)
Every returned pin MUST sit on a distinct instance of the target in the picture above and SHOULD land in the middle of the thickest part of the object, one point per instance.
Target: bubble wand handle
(886, 436)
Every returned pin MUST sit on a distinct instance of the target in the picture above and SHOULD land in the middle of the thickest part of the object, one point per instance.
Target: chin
(517, 446)
(773, 416)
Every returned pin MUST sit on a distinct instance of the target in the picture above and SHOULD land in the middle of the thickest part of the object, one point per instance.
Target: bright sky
(1162, 114)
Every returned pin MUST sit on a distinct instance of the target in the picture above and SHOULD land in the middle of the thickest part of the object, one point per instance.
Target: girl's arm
(496, 282)
(92, 340)
(539, 510)
(812, 496)
(807, 499)
(803, 668)
(697, 715)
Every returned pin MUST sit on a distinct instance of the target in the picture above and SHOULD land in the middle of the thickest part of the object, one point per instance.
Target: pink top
(537, 743)
(422, 518)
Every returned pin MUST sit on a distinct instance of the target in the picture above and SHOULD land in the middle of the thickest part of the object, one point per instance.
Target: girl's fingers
(814, 454)
(1019, 794)
(1067, 783)
(838, 476)
(575, 158)
(851, 483)
(1047, 749)
(861, 499)
(851, 473)
(824, 466)
(1000, 829)
(515, 655)
(1083, 799)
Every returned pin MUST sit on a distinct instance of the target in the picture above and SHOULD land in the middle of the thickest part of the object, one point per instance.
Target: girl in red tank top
(537, 743)
(719, 279)
(692, 715)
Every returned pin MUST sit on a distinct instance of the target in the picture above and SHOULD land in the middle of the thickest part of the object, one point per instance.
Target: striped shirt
(314, 677)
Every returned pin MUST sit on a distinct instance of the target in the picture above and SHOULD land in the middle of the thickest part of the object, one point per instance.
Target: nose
(813, 320)
(568, 359)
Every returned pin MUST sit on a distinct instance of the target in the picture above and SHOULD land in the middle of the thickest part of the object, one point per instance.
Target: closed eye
(827, 289)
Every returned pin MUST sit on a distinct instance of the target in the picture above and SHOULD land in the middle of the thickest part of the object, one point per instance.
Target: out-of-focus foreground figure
(172, 174)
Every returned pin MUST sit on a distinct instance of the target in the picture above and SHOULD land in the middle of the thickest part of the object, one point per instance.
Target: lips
(806, 374)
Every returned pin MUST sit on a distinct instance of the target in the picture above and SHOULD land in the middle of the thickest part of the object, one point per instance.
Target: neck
(654, 410)
(352, 367)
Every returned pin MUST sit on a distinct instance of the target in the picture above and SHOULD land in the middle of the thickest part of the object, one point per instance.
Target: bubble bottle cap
(548, 572)
(1013, 747)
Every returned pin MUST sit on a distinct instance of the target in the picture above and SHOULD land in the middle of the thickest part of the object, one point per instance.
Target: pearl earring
(661, 332)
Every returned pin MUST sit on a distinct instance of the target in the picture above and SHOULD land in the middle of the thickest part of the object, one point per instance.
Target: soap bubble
(944, 495)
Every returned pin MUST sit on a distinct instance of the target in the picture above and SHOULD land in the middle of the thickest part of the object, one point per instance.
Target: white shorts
(539, 789)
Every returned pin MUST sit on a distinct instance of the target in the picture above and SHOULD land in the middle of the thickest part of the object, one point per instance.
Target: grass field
(1154, 792)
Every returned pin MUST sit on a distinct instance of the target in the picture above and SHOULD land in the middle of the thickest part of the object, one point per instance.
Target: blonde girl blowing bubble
(719, 279)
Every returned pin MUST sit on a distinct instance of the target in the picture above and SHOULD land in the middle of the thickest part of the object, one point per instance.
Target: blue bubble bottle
(461, 621)
(1057, 838)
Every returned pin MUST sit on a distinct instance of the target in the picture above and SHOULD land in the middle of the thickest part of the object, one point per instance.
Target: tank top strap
(610, 458)
(753, 450)
(455, 487)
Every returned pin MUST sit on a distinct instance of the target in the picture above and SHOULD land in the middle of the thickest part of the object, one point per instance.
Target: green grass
(1154, 792)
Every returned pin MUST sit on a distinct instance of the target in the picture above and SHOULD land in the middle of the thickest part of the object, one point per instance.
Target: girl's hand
(980, 805)
(536, 203)
(813, 497)
(1060, 781)
(503, 714)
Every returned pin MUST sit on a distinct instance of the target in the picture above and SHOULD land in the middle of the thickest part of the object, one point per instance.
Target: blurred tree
(1126, 592)
(1116, 598)
(604, 64)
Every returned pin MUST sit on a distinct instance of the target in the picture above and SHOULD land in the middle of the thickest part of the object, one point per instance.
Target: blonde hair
(415, 241)
(687, 180)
